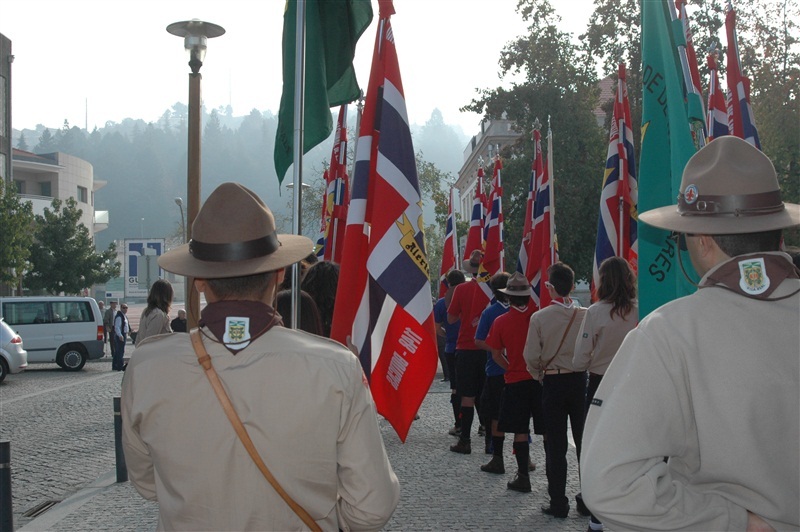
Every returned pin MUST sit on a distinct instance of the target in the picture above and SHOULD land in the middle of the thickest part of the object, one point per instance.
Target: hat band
(517, 288)
(235, 251)
(735, 205)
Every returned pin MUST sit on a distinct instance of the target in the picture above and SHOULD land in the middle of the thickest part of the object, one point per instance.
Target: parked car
(13, 358)
(65, 330)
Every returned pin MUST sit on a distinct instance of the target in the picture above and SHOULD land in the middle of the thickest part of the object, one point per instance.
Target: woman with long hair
(309, 313)
(604, 327)
(155, 317)
(320, 282)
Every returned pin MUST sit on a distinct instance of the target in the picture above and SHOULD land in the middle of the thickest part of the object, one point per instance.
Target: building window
(45, 189)
(20, 186)
(83, 195)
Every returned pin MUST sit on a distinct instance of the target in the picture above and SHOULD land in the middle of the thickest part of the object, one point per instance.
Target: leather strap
(569, 326)
(205, 361)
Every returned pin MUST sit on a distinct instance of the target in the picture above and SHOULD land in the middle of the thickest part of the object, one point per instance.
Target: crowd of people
(670, 431)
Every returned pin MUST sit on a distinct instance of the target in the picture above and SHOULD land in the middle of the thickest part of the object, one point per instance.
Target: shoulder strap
(561, 343)
(205, 360)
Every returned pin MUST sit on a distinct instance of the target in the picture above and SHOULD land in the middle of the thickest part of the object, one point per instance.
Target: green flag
(332, 30)
(666, 146)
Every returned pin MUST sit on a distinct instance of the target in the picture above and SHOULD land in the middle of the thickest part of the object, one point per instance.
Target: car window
(27, 312)
(71, 311)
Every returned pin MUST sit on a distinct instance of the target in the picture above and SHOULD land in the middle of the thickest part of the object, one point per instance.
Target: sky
(93, 61)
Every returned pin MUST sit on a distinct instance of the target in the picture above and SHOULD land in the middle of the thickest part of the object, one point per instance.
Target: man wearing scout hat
(710, 380)
(302, 399)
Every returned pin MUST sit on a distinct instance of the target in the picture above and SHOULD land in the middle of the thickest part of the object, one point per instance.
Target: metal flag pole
(297, 147)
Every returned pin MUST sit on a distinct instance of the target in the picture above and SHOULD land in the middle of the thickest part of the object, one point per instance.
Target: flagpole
(623, 171)
(297, 147)
(551, 191)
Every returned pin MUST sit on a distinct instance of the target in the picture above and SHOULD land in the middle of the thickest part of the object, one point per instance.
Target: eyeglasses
(124, 307)
(680, 239)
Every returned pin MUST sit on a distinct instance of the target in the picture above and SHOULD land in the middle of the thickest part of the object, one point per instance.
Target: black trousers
(563, 398)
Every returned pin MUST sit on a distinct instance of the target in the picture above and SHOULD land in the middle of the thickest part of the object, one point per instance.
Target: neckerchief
(237, 323)
(565, 302)
(755, 276)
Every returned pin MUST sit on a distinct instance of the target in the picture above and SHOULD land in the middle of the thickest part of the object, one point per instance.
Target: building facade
(5, 108)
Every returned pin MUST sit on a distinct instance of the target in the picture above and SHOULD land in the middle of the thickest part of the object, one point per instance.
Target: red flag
(527, 228)
(717, 109)
(617, 230)
(337, 194)
(680, 5)
(476, 223)
(744, 124)
(493, 257)
(450, 251)
(383, 302)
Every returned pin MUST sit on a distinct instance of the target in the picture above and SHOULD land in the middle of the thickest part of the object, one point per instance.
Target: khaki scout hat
(517, 285)
(234, 236)
(728, 187)
(474, 262)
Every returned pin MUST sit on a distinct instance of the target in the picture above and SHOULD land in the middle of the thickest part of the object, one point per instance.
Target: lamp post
(179, 203)
(195, 35)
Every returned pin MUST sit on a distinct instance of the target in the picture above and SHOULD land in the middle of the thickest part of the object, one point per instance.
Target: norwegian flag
(544, 248)
(493, 257)
(336, 194)
(383, 303)
(717, 109)
(527, 227)
(617, 222)
(477, 220)
(450, 251)
(744, 123)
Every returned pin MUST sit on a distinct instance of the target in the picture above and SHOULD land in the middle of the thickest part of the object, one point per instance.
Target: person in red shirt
(469, 300)
(522, 394)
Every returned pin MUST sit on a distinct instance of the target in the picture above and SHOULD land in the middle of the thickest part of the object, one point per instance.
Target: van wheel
(72, 357)
(3, 369)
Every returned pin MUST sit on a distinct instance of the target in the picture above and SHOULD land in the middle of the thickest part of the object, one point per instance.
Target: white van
(65, 330)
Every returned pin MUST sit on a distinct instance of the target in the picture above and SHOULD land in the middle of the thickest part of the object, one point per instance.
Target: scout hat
(517, 285)
(728, 187)
(474, 262)
(234, 236)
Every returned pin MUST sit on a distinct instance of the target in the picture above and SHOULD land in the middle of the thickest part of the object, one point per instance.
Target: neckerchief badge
(237, 332)
(754, 279)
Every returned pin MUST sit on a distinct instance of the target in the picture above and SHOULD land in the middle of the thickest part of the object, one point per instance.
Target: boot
(520, 483)
(462, 447)
(495, 465)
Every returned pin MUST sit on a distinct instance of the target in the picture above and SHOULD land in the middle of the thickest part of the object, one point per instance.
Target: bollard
(6, 511)
(122, 470)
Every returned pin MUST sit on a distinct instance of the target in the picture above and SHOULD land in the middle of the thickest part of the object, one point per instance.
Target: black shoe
(561, 514)
(495, 466)
(455, 431)
(520, 483)
(462, 447)
(581, 506)
(531, 465)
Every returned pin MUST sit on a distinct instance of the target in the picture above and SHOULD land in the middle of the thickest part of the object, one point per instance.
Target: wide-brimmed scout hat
(517, 285)
(234, 236)
(728, 187)
(474, 262)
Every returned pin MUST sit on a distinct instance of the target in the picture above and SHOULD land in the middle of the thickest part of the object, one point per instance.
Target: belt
(557, 371)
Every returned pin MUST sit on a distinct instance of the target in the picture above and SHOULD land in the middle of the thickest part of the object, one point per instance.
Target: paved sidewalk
(440, 490)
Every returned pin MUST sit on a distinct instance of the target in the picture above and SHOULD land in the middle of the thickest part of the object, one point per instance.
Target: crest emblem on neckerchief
(754, 279)
(237, 332)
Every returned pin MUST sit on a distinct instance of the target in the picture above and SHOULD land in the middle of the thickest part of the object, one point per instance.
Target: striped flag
(544, 249)
(337, 194)
(527, 227)
(744, 123)
(717, 109)
(493, 256)
(691, 77)
(450, 251)
(617, 221)
(325, 218)
(383, 303)
(476, 222)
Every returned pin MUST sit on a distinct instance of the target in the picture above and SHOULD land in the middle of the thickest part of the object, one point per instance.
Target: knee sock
(522, 454)
(467, 413)
(456, 409)
(497, 445)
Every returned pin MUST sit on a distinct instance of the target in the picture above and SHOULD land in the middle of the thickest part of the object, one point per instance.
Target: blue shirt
(440, 316)
(487, 318)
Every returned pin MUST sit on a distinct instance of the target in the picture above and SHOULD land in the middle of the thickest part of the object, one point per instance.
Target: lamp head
(195, 35)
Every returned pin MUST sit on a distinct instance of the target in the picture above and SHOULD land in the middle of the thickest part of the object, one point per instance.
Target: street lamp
(179, 203)
(195, 35)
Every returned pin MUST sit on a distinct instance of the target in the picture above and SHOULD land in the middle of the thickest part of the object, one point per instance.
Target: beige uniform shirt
(712, 381)
(307, 408)
(545, 331)
(600, 336)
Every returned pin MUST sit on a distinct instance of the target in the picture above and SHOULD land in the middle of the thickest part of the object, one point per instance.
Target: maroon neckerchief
(262, 318)
(728, 276)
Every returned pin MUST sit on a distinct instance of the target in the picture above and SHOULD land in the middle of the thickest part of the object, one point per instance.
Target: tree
(16, 220)
(560, 83)
(63, 258)
(434, 185)
(21, 144)
(46, 144)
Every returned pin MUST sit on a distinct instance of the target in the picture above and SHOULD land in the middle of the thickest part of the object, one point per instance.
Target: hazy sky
(92, 61)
